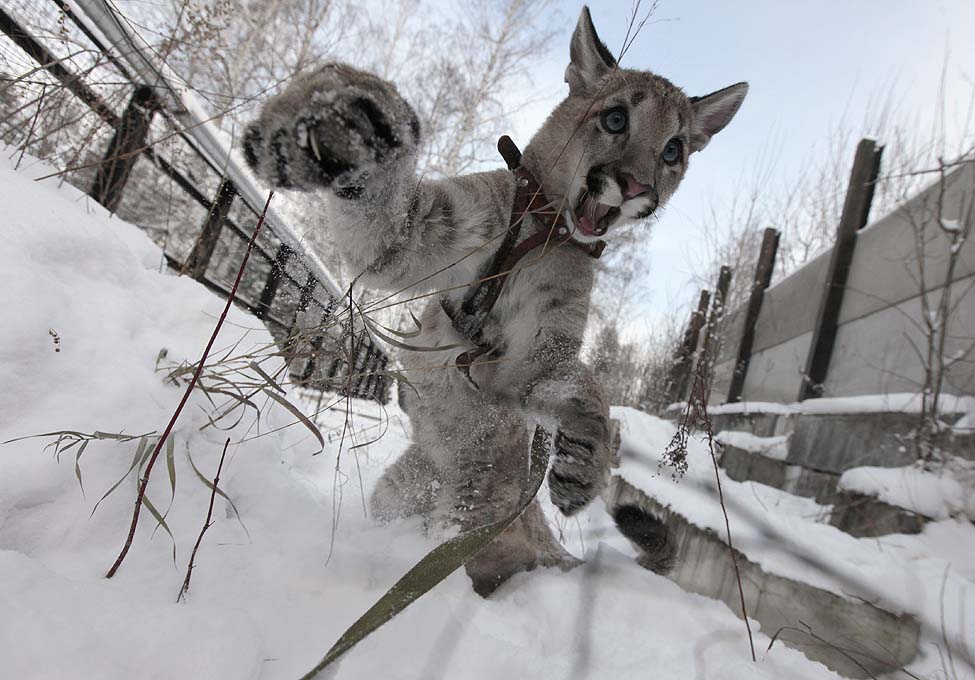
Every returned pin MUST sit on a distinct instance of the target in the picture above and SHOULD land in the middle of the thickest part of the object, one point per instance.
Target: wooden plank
(761, 281)
(199, 259)
(706, 360)
(856, 209)
(684, 360)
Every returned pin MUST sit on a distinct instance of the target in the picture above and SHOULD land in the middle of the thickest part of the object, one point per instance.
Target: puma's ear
(589, 59)
(713, 111)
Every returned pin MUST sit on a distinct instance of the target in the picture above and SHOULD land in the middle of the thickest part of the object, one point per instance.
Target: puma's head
(617, 147)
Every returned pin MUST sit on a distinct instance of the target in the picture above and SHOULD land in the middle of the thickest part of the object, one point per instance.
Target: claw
(313, 142)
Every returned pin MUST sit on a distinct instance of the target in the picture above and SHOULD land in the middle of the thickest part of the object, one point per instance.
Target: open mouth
(592, 217)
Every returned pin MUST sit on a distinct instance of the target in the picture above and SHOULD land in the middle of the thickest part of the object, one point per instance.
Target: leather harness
(480, 299)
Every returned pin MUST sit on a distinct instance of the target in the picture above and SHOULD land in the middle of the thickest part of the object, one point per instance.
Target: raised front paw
(578, 470)
(331, 127)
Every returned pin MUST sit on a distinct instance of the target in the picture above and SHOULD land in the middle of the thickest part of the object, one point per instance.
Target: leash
(529, 199)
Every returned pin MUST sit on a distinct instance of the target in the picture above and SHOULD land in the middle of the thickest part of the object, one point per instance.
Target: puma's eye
(671, 152)
(614, 120)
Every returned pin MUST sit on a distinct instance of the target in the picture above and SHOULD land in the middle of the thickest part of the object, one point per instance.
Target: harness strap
(529, 200)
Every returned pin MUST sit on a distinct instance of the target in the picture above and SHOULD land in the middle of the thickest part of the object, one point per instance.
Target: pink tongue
(633, 188)
(592, 212)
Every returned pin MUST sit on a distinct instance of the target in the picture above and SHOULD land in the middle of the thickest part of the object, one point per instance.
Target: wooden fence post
(856, 209)
(124, 150)
(685, 354)
(317, 343)
(383, 385)
(351, 379)
(763, 277)
(378, 391)
(714, 318)
(359, 367)
(290, 348)
(273, 280)
(199, 259)
(367, 365)
(312, 363)
(304, 298)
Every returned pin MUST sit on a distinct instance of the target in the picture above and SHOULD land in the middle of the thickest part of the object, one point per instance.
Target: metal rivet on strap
(523, 182)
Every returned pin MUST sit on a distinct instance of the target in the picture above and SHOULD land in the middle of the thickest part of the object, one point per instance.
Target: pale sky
(810, 65)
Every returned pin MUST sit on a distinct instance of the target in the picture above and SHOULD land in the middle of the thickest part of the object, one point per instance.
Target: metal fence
(129, 96)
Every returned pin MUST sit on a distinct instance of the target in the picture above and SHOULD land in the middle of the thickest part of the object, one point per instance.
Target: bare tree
(939, 235)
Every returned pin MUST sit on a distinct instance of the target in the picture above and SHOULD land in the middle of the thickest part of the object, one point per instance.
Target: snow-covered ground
(87, 314)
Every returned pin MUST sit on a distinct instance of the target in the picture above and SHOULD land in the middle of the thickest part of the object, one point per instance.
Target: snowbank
(949, 492)
(773, 528)
(271, 594)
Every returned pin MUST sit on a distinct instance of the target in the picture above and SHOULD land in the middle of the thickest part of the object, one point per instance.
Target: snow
(778, 531)
(746, 407)
(266, 598)
(776, 448)
(950, 226)
(899, 402)
(966, 424)
(948, 492)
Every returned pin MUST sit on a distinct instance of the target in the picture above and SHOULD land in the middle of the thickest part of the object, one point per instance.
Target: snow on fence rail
(287, 286)
(857, 319)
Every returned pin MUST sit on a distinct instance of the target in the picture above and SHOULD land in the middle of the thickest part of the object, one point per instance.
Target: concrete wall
(881, 319)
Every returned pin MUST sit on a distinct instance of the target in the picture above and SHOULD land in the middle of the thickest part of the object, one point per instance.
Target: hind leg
(527, 543)
(408, 487)
(482, 451)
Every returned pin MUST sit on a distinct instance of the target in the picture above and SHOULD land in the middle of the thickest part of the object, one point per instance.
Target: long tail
(637, 518)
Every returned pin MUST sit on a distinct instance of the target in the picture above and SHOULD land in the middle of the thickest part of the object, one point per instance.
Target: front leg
(565, 387)
(334, 127)
(349, 142)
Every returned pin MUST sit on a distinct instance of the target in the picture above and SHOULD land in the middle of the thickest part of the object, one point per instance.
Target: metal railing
(286, 285)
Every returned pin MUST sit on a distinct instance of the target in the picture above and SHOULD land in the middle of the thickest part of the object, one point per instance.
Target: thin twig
(727, 523)
(186, 394)
(206, 525)
(676, 454)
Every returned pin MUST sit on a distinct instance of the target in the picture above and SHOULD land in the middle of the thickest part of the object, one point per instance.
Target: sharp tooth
(313, 138)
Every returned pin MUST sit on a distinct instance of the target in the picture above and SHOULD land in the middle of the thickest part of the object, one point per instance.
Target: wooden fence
(860, 318)
(286, 285)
